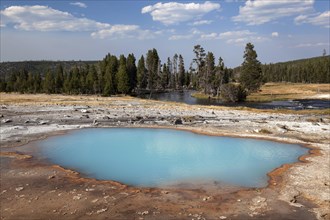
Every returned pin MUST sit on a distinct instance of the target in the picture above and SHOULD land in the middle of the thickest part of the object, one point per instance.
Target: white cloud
(235, 34)
(241, 37)
(79, 4)
(321, 19)
(174, 12)
(181, 37)
(256, 12)
(275, 34)
(125, 31)
(311, 45)
(201, 22)
(44, 18)
(211, 36)
(233, 37)
(195, 31)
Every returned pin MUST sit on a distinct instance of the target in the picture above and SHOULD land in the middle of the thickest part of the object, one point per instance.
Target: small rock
(84, 111)
(284, 127)
(43, 122)
(19, 188)
(1, 116)
(89, 190)
(6, 120)
(165, 192)
(145, 213)
(177, 121)
(258, 199)
(95, 121)
(76, 197)
(222, 217)
(86, 116)
(51, 177)
(95, 200)
(101, 210)
(105, 118)
(138, 118)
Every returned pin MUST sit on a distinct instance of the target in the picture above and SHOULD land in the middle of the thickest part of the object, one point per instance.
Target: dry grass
(283, 91)
(288, 91)
(16, 98)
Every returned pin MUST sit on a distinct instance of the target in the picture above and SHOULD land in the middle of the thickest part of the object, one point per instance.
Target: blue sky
(87, 30)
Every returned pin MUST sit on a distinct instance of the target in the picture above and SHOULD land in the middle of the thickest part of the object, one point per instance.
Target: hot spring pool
(161, 157)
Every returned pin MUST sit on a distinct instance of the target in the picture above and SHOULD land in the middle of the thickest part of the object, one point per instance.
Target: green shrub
(233, 93)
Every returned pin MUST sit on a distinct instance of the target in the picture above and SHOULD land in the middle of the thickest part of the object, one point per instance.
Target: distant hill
(310, 70)
(39, 66)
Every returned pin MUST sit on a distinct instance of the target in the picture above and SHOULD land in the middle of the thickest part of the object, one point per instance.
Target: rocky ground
(33, 189)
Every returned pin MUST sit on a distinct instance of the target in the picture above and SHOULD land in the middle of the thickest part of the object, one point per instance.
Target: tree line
(120, 75)
(110, 76)
(313, 70)
(116, 75)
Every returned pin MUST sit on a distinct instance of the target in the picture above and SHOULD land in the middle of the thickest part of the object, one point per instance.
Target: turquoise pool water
(160, 157)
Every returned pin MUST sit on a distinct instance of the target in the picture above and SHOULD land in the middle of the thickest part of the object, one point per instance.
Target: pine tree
(29, 83)
(67, 86)
(171, 80)
(36, 83)
(199, 60)
(251, 74)
(91, 80)
(141, 74)
(165, 77)
(11, 84)
(122, 76)
(152, 64)
(49, 82)
(208, 76)
(75, 80)
(21, 82)
(175, 71)
(83, 79)
(220, 76)
(132, 71)
(3, 85)
(59, 79)
(111, 69)
(181, 73)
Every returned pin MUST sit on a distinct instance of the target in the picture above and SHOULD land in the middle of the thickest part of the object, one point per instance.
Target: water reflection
(185, 97)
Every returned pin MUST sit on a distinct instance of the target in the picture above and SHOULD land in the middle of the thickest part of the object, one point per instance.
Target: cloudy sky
(87, 30)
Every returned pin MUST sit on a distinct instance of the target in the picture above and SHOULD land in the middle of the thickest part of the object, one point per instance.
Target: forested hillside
(312, 70)
(41, 67)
